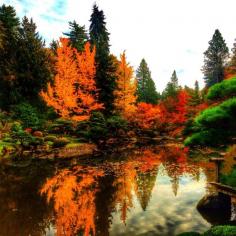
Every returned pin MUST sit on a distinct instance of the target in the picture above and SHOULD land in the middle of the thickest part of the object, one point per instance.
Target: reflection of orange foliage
(147, 116)
(125, 98)
(73, 193)
(148, 160)
(73, 93)
(124, 183)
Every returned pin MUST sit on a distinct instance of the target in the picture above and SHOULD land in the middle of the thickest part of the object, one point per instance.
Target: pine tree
(215, 59)
(105, 69)
(146, 89)
(172, 87)
(8, 54)
(77, 35)
(33, 67)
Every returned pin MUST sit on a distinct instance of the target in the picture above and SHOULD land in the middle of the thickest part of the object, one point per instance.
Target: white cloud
(169, 34)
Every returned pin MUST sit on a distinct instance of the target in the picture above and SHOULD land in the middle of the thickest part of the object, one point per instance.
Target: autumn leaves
(73, 93)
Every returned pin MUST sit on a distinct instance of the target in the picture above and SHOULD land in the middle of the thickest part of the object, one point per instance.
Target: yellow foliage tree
(125, 98)
(73, 93)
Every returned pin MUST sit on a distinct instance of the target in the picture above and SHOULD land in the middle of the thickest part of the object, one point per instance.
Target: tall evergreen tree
(172, 87)
(8, 54)
(33, 67)
(215, 59)
(77, 35)
(105, 69)
(146, 89)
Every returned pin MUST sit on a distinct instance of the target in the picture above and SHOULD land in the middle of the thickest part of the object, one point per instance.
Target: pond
(146, 191)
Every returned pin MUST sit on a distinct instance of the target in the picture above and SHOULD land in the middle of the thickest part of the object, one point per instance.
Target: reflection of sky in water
(166, 213)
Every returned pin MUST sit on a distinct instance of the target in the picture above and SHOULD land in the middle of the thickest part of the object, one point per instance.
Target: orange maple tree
(73, 93)
(125, 97)
(147, 116)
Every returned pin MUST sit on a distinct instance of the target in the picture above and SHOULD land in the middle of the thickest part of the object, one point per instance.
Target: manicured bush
(221, 230)
(215, 125)
(223, 90)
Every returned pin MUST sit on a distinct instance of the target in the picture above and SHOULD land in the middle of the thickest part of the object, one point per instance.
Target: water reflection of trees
(73, 193)
(85, 198)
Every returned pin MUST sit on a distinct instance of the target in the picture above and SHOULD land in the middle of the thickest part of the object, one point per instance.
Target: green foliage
(195, 95)
(215, 125)
(229, 179)
(146, 89)
(33, 62)
(221, 230)
(61, 126)
(77, 35)
(27, 114)
(215, 58)
(98, 128)
(23, 138)
(105, 68)
(10, 25)
(172, 87)
(223, 90)
(116, 122)
(25, 64)
(60, 142)
(207, 137)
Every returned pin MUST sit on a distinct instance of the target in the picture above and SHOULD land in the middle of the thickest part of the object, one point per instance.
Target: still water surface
(149, 191)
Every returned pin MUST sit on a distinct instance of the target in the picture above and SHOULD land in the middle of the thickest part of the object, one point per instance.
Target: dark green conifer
(146, 89)
(77, 35)
(105, 69)
(215, 59)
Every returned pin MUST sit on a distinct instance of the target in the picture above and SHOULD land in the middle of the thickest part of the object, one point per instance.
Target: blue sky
(170, 34)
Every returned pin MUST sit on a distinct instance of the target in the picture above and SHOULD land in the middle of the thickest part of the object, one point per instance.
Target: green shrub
(222, 230)
(215, 125)
(60, 142)
(23, 138)
(116, 122)
(27, 114)
(225, 89)
(61, 126)
(229, 179)
(49, 143)
(8, 140)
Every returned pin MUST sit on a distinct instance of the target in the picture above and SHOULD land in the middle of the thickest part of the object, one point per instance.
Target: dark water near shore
(149, 191)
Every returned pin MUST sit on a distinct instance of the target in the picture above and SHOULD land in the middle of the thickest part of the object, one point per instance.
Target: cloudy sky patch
(169, 34)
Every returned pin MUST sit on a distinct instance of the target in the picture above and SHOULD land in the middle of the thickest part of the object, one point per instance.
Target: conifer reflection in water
(92, 200)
